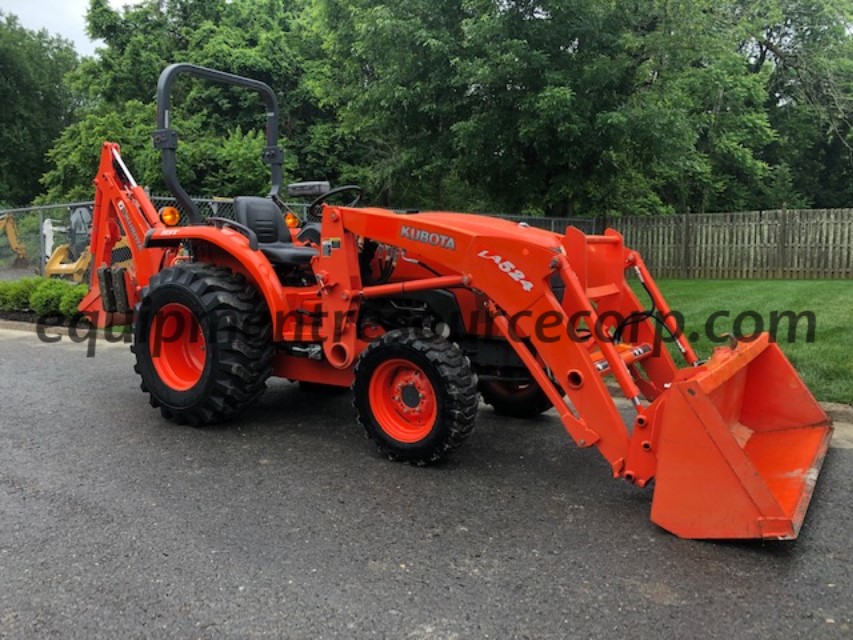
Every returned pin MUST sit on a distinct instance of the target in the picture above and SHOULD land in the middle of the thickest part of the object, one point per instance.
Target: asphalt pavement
(115, 523)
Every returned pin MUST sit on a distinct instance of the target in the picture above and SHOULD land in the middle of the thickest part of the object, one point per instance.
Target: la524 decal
(508, 268)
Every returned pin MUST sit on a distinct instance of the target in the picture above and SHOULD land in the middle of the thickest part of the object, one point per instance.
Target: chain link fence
(33, 240)
(28, 237)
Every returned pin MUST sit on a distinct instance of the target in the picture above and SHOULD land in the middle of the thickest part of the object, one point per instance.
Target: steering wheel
(314, 208)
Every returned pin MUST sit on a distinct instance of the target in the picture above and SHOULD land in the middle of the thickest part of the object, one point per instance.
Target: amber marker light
(170, 216)
(291, 220)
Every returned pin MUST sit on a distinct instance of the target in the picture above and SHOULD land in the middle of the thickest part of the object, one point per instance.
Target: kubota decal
(508, 268)
(428, 237)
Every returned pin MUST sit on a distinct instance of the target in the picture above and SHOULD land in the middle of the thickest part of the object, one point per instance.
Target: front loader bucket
(739, 447)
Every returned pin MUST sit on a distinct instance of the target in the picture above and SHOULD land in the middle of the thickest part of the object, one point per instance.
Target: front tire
(514, 399)
(203, 343)
(416, 395)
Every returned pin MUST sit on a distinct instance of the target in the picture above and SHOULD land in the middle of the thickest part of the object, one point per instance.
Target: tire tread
(243, 340)
(459, 385)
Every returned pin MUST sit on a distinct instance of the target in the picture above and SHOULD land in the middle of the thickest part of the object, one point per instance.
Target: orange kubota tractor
(422, 313)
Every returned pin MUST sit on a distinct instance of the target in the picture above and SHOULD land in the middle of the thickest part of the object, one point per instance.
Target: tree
(556, 106)
(387, 71)
(808, 46)
(221, 129)
(35, 105)
(619, 108)
(563, 107)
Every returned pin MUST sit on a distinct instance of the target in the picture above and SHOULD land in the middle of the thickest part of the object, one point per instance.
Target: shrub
(16, 294)
(71, 300)
(5, 290)
(47, 296)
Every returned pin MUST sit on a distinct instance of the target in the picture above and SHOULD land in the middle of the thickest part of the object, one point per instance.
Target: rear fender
(227, 248)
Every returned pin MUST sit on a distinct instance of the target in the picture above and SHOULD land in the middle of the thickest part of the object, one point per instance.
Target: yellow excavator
(73, 260)
(7, 224)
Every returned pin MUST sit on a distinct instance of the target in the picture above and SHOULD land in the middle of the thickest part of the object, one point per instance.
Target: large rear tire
(203, 343)
(416, 395)
(513, 399)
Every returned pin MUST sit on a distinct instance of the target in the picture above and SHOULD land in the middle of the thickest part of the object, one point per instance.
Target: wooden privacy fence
(790, 244)
(754, 244)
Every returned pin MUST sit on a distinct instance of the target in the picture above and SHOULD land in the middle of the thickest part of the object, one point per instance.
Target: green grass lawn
(826, 364)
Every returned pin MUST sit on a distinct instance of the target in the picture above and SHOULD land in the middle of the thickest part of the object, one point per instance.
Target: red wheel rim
(177, 346)
(403, 400)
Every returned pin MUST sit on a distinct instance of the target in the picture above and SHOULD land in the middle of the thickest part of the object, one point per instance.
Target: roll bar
(166, 139)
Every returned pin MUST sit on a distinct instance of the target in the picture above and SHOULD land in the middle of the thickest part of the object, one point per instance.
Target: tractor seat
(262, 216)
